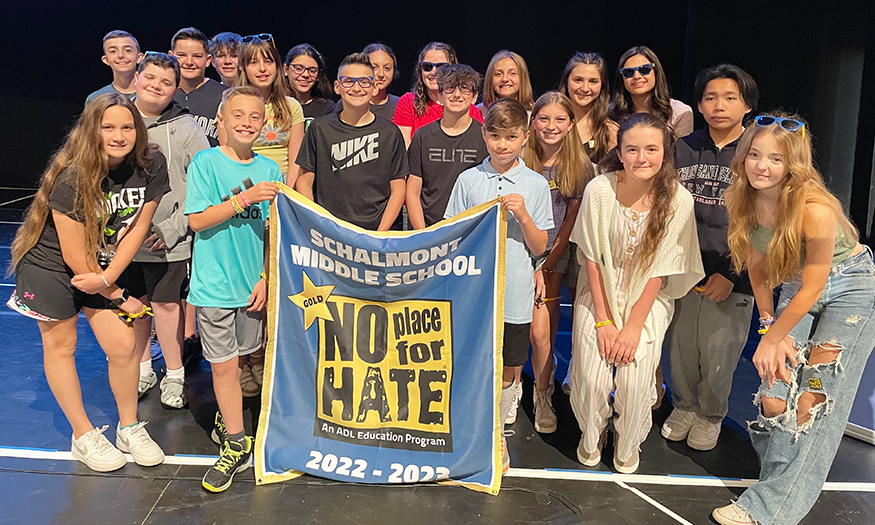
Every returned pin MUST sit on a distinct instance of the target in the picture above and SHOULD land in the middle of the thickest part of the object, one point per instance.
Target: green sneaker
(236, 457)
(220, 433)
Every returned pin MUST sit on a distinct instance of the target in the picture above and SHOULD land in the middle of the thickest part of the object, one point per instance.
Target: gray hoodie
(179, 138)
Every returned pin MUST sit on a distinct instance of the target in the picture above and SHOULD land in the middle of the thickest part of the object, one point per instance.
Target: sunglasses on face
(348, 82)
(428, 66)
(465, 90)
(788, 124)
(263, 37)
(644, 69)
(299, 69)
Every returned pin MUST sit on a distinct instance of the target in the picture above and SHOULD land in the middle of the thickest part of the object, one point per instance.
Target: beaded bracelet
(242, 198)
(237, 207)
(765, 323)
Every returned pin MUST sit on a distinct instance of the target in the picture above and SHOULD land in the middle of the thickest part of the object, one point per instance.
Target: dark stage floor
(675, 484)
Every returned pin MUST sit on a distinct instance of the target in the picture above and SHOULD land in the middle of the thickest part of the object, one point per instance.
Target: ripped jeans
(795, 459)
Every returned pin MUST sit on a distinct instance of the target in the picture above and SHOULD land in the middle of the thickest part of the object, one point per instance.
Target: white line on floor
(573, 475)
(655, 503)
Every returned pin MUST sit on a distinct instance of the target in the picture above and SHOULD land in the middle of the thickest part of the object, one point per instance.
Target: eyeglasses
(349, 82)
(644, 69)
(299, 69)
(788, 124)
(466, 89)
(263, 37)
(428, 66)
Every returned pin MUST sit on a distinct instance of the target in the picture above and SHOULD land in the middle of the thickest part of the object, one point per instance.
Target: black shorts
(47, 295)
(516, 344)
(161, 282)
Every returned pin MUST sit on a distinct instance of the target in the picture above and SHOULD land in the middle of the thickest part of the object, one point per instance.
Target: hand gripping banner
(384, 349)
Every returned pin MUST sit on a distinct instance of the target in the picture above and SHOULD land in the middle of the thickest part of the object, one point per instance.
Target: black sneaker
(220, 433)
(192, 351)
(236, 457)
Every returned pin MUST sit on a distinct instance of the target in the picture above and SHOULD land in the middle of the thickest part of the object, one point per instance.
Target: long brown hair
(664, 185)
(420, 92)
(573, 169)
(83, 153)
(803, 185)
(599, 115)
(660, 99)
(524, 95)
(280, 89)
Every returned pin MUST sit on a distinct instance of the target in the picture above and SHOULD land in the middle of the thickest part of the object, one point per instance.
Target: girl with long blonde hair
(90, 215)
(555, 151)
(786, 227)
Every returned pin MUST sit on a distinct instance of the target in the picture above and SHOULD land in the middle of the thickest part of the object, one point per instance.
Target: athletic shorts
(567, 265)
(48, 295)
(516, 344)
(160, 282)
(227, 333)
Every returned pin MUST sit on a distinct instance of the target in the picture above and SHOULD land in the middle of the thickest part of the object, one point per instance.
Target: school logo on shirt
(355, 151)
(250, 212)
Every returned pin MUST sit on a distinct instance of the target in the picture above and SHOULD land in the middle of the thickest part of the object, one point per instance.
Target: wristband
(237, 207)
(765, 323)
(242, 198)
(263, 276)
(604, 323)
(104, 280)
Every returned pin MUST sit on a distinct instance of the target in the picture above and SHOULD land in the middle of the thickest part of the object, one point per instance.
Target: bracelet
(604, 323)
(263, 276)
(104, 280)
(242, 198)
(237, 207)
(765, 323)
(130, 317)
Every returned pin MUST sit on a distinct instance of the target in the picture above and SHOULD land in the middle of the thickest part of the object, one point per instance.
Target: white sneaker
(678, 425)
(732, 514)
(136, 441)
(146, 383)
(591, 460)
(545, 416)
(510, 418)
(172, 394)
(703, 434)
(93, 449)
(630, 465)
(248, 385)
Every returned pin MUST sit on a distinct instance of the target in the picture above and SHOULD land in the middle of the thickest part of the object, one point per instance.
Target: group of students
(673, 240)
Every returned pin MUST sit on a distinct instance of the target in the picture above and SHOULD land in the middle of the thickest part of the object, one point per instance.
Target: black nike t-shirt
(438, 159)
(126, 188)
(352, 166)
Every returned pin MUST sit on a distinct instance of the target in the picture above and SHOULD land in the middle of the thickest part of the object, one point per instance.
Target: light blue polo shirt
(481, 184)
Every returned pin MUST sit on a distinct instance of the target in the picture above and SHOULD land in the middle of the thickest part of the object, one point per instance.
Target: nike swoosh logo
(82, 450)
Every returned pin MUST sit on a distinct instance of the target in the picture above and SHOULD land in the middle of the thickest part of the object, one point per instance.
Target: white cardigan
(678, 260)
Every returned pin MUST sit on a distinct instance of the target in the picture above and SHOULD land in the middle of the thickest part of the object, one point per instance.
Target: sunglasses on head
(788, 124)
(348, 82)
(263, 37)
(644, 69)
(428, 66)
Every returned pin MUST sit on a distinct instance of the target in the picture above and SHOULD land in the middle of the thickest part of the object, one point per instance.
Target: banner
(383, 362)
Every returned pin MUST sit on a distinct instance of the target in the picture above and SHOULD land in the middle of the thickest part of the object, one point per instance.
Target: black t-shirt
(317, 107)
(386, 110)
(438, 159)
(127, 189)
(203, 104)
(352, 166)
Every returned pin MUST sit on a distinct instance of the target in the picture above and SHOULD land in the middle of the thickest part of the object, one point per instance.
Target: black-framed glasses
(299, 69)
(263, 37)
(428, 66)
(788, 124)
(644, 69)
(348, 82)
(465, 89)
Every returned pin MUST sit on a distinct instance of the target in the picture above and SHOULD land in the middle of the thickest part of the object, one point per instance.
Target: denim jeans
(795, 459)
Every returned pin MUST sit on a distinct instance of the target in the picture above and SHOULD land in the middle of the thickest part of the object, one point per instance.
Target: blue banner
(383, 361)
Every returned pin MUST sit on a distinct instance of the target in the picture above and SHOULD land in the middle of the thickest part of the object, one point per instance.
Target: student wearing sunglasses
(421, 106)
(641, 87)
(786, 227)
(305, 69)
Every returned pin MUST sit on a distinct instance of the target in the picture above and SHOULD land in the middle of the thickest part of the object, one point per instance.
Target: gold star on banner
(312, 301)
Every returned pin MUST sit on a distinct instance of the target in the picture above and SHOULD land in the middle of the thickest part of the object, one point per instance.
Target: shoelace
(542, 402)
(229, 457)
(98, 441)
(138, 433)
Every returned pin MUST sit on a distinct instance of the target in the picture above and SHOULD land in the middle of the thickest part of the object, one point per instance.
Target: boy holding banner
(526, 195)
(227, 202)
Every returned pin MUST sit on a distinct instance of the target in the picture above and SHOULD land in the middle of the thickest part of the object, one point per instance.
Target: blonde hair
(237, 91)
(573, 169)
(523, 95)
(280, 89)
(84, 154)
(803, 185)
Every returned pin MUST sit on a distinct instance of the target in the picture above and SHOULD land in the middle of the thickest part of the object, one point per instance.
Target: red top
(405, 115)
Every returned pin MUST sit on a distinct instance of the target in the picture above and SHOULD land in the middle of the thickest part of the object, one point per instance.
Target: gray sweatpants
(706, 339)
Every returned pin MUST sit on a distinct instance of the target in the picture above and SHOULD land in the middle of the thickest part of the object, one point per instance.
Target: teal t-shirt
(228, 259)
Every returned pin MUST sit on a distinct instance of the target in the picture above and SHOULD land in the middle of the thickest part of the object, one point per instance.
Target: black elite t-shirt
(438, 159)
(127, 189)
(353, 166)
(203, 104)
